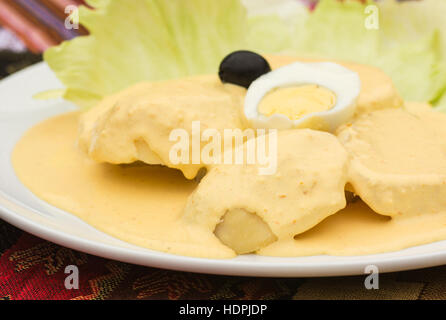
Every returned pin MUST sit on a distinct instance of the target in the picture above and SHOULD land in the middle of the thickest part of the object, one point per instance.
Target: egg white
(343, 82)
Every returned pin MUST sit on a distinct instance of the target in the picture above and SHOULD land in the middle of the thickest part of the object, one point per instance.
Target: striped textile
(38, 23)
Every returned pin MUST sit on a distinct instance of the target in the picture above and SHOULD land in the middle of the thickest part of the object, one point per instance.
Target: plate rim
(230, 267)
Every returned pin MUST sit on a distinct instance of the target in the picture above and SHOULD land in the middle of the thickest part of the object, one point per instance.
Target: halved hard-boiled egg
(319, 95)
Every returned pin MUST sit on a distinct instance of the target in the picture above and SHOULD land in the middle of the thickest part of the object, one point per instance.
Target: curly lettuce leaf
(336, 30)
(412, 20)
(418, 22)
(272, 24)
(407, 45)
(417, 69)
(137, 40)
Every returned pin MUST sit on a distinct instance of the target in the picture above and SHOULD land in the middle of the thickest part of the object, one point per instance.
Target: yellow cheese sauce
(142, 204)
(136, 123)
(139, 204)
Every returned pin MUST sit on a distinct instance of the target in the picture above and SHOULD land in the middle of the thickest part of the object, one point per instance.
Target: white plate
(18, 206)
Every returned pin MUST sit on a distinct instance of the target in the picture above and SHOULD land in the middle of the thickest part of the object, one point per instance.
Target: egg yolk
(296, 102)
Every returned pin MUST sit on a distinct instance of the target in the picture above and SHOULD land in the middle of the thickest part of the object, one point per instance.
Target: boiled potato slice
(397, 160)
(243, 231)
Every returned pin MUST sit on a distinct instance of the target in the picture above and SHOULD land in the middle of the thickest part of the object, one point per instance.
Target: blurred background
(29, 27)
(35, 24)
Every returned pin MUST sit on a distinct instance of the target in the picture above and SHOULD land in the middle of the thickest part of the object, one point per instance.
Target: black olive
(242, 68)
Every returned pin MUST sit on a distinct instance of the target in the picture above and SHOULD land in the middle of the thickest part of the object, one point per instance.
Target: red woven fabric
(32, 268)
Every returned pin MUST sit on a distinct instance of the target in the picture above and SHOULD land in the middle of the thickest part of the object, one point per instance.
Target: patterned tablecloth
(32, 268)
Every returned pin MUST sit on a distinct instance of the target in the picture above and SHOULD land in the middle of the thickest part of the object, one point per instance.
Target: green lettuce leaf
(407, 45)
(336, 30)
(272, 25)
(419, 23)
(417, 69)
(412, 20)
(138, 40)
